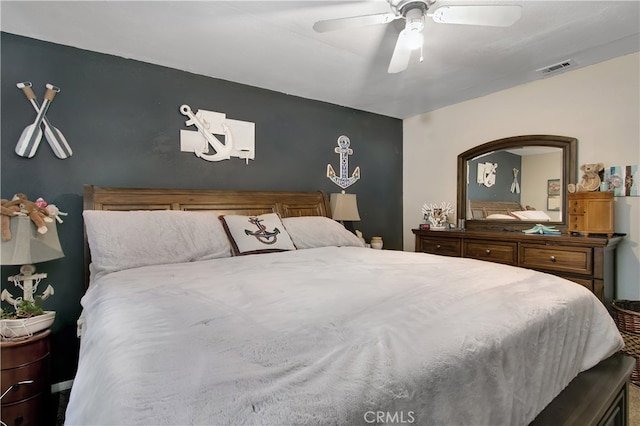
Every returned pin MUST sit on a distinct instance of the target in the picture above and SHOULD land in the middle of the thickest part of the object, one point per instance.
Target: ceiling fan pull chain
(421, 57)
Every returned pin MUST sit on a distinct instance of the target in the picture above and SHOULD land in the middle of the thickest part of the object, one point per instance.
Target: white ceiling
(271, 44)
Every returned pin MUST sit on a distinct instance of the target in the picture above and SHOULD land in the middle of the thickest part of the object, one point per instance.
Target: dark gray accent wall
(122, 121)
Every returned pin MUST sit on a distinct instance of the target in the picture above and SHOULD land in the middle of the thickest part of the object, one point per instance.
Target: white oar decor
(54, 136)
(32, 134)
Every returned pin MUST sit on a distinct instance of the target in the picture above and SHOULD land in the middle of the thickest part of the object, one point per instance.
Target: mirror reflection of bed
(505, 210)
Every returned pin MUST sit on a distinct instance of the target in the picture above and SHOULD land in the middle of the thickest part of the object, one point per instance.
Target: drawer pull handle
(487, 251)
(552, 258)
(438, 246)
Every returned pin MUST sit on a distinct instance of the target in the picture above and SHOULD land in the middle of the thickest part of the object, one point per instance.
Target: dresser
(588, 261)
(27, 361)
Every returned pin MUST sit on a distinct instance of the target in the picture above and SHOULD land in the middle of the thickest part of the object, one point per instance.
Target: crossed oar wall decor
(32, 134)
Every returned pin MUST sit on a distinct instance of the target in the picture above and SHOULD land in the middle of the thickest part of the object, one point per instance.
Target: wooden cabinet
(591, 213)
(588, 261)
(25, 369)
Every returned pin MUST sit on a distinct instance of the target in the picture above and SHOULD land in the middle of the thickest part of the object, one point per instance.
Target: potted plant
(27, 318)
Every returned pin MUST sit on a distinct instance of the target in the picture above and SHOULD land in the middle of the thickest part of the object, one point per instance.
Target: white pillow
(532, 215)
(128, 239)
(319, 231)
(256, 234)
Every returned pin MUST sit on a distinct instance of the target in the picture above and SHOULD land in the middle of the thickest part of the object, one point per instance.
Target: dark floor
(60, 400)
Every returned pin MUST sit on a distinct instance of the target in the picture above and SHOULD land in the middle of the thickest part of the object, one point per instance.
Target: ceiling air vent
(560, 66)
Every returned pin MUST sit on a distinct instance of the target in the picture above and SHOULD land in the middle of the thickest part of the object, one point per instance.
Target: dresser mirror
(514, 183)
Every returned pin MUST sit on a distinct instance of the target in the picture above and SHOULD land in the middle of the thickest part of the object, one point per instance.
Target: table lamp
(344, 207)
(26, 247)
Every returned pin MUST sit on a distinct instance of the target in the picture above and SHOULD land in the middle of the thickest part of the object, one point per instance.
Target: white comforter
(333, 336)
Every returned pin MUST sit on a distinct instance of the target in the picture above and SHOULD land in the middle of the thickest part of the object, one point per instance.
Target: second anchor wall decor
(343, 181)
(239, 136)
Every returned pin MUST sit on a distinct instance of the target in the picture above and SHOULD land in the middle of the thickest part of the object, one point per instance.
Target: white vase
(376, 243)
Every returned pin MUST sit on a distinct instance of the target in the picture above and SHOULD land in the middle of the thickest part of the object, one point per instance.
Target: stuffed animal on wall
(37, 215)
(590, 179)
(7, 213)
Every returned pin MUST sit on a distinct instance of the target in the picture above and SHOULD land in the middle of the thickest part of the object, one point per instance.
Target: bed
(182, 325)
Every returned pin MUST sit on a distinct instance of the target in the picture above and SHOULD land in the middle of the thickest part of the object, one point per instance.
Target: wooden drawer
(576, 207)
(576, 223)
(32, 411)
(25, 360)
(16, 353)
(576, 260)
(501, 252)
(36, 371)
(443, 246)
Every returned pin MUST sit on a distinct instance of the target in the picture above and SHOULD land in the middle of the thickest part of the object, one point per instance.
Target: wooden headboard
(287, 204)
(482, 209)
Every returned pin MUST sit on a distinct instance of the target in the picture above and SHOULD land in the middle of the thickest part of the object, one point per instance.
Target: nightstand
(26, 361)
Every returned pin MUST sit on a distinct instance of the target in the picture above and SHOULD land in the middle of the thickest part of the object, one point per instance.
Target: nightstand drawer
(443, 246)
(503, 252)
(19, 352)
(25, 413)
(26, 359)
(557, 258)
(36, 372)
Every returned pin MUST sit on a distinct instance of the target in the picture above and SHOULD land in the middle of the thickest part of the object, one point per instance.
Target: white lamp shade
(27, 246)
(344, 207)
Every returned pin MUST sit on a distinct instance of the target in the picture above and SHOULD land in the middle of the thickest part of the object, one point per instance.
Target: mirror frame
(569, 148)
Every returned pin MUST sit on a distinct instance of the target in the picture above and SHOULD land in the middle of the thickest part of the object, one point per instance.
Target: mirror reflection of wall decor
(487, 174)
(515, 186)
(553, 187)
(624, 181)
(553, 195)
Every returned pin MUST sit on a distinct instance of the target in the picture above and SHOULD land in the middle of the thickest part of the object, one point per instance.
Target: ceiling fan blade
(354, 21)
(488, 15)
(401, 54)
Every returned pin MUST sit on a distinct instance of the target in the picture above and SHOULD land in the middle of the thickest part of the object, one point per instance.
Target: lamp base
(27, 276)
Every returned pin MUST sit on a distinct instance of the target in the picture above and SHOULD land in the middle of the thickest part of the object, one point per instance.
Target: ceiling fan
(414, 12)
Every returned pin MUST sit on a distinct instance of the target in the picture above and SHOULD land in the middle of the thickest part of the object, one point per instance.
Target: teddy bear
(38, 216)
(7, 213)
(590, 179)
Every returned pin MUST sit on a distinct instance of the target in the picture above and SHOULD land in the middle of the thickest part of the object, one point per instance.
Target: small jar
(376, 243)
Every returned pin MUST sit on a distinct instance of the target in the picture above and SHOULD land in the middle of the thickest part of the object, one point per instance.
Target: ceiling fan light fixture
(414, 39)
(413, 28)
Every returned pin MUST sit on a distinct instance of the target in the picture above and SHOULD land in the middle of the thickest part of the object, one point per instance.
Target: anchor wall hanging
(32, 134)
(238, 137)
(487, 174)
(343, 181)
